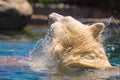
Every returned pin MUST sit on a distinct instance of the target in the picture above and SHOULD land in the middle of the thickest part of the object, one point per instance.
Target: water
(16, 48)
(19, 48)
(24, 48)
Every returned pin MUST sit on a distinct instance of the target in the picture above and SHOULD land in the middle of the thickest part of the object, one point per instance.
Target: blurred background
(76, 8)
(35, 12)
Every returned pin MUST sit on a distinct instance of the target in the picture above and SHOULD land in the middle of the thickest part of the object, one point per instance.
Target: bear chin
(85, 64)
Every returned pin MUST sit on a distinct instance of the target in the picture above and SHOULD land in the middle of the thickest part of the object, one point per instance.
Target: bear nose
(53, 17)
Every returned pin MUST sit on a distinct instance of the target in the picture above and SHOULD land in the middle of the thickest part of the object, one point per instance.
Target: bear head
(76, 45)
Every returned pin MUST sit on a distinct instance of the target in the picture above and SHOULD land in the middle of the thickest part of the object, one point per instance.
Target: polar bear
(76, 45)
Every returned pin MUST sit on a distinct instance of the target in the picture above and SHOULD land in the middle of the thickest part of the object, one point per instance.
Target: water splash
(41, 47)
(39, 58)
(109, 21)
(111, 31)
(111, 40)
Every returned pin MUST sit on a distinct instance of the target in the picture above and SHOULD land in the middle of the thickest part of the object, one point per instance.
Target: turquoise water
(19, 48)
(16, 48)
(18, 73)
(10, 47)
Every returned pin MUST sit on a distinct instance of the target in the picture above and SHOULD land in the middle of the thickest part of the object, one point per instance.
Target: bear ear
(96, 29)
